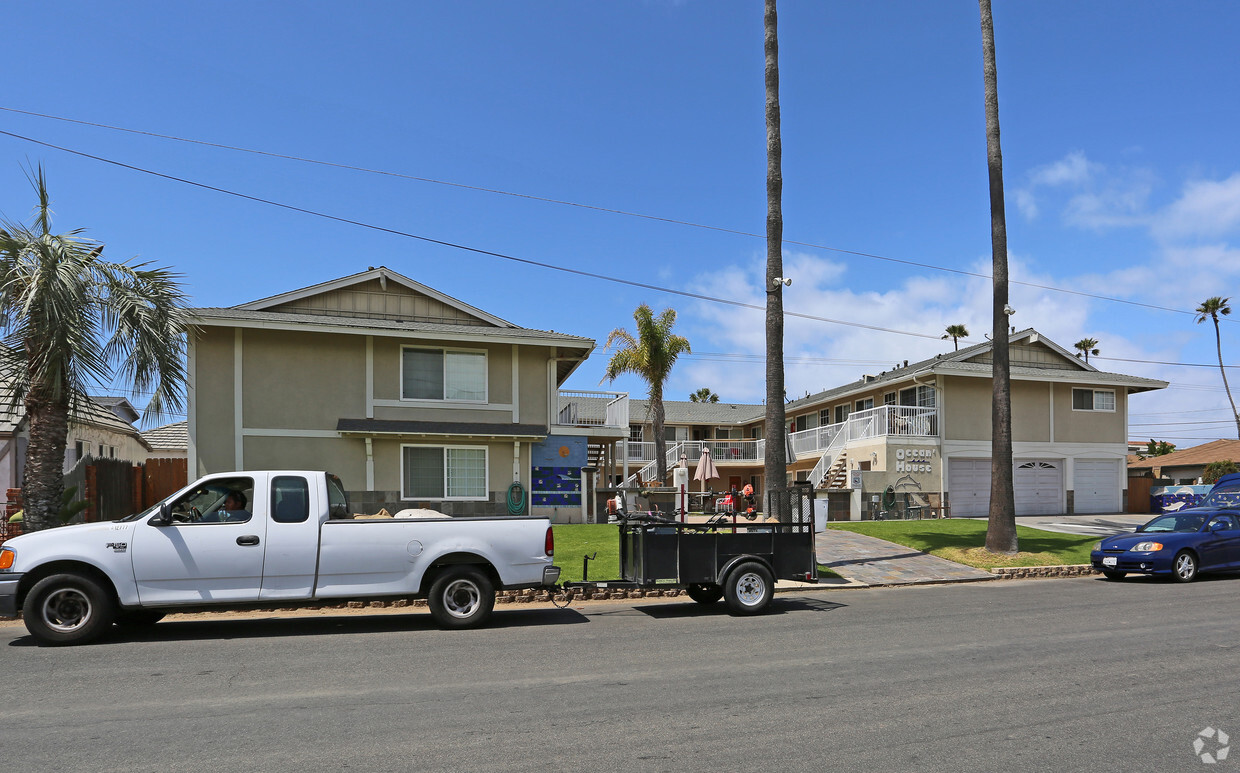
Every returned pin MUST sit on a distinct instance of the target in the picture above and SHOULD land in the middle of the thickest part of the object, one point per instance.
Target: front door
(208, 554)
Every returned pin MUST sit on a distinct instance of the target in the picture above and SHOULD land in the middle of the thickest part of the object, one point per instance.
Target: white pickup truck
(285, 538)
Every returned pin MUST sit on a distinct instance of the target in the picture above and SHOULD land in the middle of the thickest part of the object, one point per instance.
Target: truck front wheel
(748, 589)
(461, 597)
(67, 609)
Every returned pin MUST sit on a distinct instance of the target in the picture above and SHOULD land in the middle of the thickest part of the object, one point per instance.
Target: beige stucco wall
(127, 446)
(212, 400)
(346, 457)
(1090, 426)
(966, 408)
(295, 380)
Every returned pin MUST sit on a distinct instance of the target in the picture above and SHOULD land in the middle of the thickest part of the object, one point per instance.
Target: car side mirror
(163, 517)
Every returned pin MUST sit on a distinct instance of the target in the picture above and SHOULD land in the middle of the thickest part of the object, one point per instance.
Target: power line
(562, 202)
(466, 248)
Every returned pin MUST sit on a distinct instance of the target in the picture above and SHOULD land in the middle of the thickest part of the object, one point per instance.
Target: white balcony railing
(592, 409)
(905, 420)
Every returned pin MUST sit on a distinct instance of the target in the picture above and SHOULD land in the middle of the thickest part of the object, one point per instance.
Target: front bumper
(8, 594)
(1132, 563)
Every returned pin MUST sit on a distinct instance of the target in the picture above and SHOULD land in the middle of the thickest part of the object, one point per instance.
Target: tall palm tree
(1210, 309)
(1001, 528)
(650, 356)
(775, 459)
(69, 319)
(955, 332)
(1087, 346)
(704, 395)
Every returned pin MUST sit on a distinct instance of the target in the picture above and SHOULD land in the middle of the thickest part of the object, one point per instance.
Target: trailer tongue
(720, 558)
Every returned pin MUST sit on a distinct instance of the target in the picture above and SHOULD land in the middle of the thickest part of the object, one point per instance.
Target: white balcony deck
(576, 408)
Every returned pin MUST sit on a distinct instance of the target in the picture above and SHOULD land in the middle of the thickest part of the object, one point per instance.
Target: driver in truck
(233, 510)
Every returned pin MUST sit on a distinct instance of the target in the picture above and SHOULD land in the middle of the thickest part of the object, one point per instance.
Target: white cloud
(1097, 197)
(1205, 209)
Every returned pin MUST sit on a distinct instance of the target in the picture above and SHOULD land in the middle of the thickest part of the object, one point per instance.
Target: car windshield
(1184, 522)
(1224, 497)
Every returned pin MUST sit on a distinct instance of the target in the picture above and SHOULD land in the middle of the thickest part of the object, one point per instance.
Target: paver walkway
(878, 562)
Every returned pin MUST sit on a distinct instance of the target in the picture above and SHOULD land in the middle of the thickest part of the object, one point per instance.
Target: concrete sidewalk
(872, 561)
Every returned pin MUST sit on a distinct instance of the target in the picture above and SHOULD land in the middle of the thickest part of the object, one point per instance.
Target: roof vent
(867, 378)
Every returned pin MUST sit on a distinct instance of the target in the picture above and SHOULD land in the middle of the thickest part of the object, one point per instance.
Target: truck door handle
(249, 539)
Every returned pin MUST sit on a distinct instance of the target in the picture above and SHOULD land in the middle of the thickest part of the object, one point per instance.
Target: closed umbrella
(706, 469)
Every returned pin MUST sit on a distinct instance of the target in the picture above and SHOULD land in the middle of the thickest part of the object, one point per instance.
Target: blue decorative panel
(560, 452)
(556, 487)
(1164, 499)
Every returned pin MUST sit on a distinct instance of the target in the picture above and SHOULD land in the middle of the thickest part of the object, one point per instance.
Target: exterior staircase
(837, 477)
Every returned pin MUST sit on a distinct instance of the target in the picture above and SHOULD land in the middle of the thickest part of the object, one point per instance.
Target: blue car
(1182, 544)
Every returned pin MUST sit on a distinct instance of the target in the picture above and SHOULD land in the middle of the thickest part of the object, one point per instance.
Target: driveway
(873, 561)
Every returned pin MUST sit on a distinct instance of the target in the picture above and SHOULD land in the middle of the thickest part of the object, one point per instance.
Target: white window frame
(445, 351)
(891, 398)
(1093, 400)
(864, 404)
(486, 473)
(835, 413)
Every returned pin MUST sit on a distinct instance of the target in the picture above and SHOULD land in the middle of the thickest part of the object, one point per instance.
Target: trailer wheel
(67, 609)
(461, 597)
(748, 589)
(705, 593)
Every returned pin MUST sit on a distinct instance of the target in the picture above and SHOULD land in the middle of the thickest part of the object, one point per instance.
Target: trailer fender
(727, 568)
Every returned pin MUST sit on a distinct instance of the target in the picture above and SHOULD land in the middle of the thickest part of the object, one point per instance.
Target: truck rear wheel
(461, 597)
(748, 589)
(67, 609)
(705, 593)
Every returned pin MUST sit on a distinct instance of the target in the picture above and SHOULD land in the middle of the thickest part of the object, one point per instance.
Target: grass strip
(963, 541)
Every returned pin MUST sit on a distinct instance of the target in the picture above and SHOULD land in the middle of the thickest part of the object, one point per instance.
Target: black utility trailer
(726, 557)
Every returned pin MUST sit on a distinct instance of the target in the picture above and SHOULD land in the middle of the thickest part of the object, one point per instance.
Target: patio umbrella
(706, 468)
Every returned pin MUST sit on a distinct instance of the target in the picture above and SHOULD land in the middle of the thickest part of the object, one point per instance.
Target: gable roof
(383, 275)
(1214, 451)
(975, 361)
(169, 437)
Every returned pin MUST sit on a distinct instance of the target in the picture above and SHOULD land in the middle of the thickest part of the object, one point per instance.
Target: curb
(1024, 572)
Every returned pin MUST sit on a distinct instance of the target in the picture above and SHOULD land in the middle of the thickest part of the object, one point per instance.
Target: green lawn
(962, 540)
(572, 541)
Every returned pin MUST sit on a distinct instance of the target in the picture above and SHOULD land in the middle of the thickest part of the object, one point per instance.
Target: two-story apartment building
(412, 397)
(919, 435)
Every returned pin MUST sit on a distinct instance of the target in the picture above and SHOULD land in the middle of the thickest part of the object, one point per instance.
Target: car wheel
(705, 593)
(748, 589)
(461, 597)
(138, 617)
(67, 609)
(1115, 575)
(1184, 568)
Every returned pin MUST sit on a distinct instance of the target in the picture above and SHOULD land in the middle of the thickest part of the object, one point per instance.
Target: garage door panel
(1037, 485)
(1095, 485)
(968, 482)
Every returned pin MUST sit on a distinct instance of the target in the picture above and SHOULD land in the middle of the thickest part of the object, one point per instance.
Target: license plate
(1109, 560)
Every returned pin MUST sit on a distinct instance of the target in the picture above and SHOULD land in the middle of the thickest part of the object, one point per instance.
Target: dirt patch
(984, 559)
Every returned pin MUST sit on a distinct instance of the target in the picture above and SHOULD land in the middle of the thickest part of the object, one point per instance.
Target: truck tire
(705, 593)
(67, 609)
(461, 597)
(748, 589)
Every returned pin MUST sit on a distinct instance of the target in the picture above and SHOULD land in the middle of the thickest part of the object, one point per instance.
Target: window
(219, 500)
(337, 500)
(918, 396)
(841, 413)
(864, 405)
(442, 374)
(1093, 399)
(290, 499)
(635, 433)
(824, 417)
(443, 472)
(889, 398)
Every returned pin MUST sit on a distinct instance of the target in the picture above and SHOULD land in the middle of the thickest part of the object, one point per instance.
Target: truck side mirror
(163, 517)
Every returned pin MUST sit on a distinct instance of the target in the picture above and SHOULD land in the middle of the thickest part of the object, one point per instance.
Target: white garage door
(1096, 483)
(968, 486)
(1038, 485)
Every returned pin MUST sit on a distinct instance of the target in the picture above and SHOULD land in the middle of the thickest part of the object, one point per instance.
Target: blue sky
(1122, 170)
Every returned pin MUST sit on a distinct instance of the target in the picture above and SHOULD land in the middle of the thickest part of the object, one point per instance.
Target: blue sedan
(1180, 545)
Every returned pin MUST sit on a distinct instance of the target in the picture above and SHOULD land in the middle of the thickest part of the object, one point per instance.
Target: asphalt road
(1044, 675)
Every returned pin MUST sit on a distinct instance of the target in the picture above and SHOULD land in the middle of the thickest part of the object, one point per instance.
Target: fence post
(92, 511)
(139, 504)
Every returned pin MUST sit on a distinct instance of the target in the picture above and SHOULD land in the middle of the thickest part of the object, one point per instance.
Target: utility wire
(562, 202)
(466, 248)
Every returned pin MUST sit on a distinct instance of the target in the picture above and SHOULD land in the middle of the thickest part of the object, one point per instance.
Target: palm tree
(1087, 346)
(955, 332)
(70, 319)
(1001, 528)
(704, 395)
(1211, 308)
(775, 460)
(649, 356)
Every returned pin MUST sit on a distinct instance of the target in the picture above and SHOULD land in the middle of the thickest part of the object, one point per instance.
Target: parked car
(1182, 544)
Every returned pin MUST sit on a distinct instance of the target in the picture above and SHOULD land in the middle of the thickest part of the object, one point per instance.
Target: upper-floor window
(918, 396)
(1093, 399)
(889, 398)
(635, 433)
(841, 413)
(443, 374)
(864, 405)
(824, 417)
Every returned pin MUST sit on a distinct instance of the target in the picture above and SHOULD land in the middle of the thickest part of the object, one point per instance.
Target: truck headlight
(6, 559)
